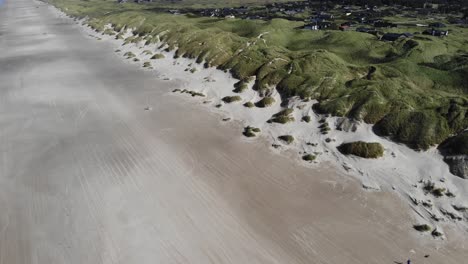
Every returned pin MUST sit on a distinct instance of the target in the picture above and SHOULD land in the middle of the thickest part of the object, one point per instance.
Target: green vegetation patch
(250, 131)
(265, 102)
(362, 149)
(306, 118)
(129, 55)
(158, 56)
(288, 139)
(422, 228)
(240, 87)
(309, 157)
(249, 105)
(192, 93)
(231, 99)
(283, 116)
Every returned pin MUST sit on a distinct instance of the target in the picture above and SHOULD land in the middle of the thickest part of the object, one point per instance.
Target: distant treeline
(410, 3)
(444, 5)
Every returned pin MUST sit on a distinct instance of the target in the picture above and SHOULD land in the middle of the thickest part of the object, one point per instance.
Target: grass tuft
(231, 99)
(362, 149)
(265, 102)
(288, 139)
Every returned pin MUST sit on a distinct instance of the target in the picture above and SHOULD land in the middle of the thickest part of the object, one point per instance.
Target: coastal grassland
(413, 90)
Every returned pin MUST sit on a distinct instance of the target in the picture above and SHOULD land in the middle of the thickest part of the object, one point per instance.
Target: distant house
(437, 25)
(435, 32)
(395, 36)
(230, 17)
(318, 26)
(344, 27)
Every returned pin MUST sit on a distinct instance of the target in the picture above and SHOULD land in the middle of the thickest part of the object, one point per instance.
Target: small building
(318, 26)
(345, 27)
(435, 32)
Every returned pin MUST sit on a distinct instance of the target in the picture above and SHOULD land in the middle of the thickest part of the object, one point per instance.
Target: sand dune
(88, 176)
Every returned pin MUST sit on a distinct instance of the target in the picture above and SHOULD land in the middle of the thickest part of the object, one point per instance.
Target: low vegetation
(250, 131)
(129, 55)
(231, 99)
(288, 139)
(324, 128)
(147, 64)
(309, 157)
(147, 52)
(265, 102)
(158, 56)
(306, 119)
(282, 117)
(240, 87)
(192, 93)
(422, 228)
(362, 149)
(249, 105)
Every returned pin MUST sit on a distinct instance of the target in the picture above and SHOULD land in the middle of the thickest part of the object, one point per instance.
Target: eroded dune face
(88, 176)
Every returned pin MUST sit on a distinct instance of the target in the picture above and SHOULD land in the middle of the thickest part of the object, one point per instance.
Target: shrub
(147, 64)
(193, 70)
(240, 87)
(193, 93)
(438, 192)
(158, 56)
(281, 119)
(147, 52)
(362, 149)
(422, 228)
(249, 104)
(265, 102)
(136, 59)
(231, 99)
(129, 55)
(306, 119)
(308, 157)
(256, 130)
(288, 139)
(109, 32)
(283, 116)
(250, 131)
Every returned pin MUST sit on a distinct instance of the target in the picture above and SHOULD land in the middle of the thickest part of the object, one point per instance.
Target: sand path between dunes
(88, 176)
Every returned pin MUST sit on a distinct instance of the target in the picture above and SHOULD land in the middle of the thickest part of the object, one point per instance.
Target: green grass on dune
(362, 149)
(415, 91)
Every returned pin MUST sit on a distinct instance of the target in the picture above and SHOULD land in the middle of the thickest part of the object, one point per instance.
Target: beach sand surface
(87, 175)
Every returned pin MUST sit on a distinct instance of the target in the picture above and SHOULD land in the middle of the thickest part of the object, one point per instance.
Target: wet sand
(88, 176)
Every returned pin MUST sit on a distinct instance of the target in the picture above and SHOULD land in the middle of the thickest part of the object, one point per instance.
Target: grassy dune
(414, 91)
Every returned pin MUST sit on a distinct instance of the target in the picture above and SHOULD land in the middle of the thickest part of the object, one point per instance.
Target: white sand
(88, 176)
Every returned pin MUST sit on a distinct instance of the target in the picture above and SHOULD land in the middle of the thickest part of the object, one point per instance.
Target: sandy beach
(102, 163)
